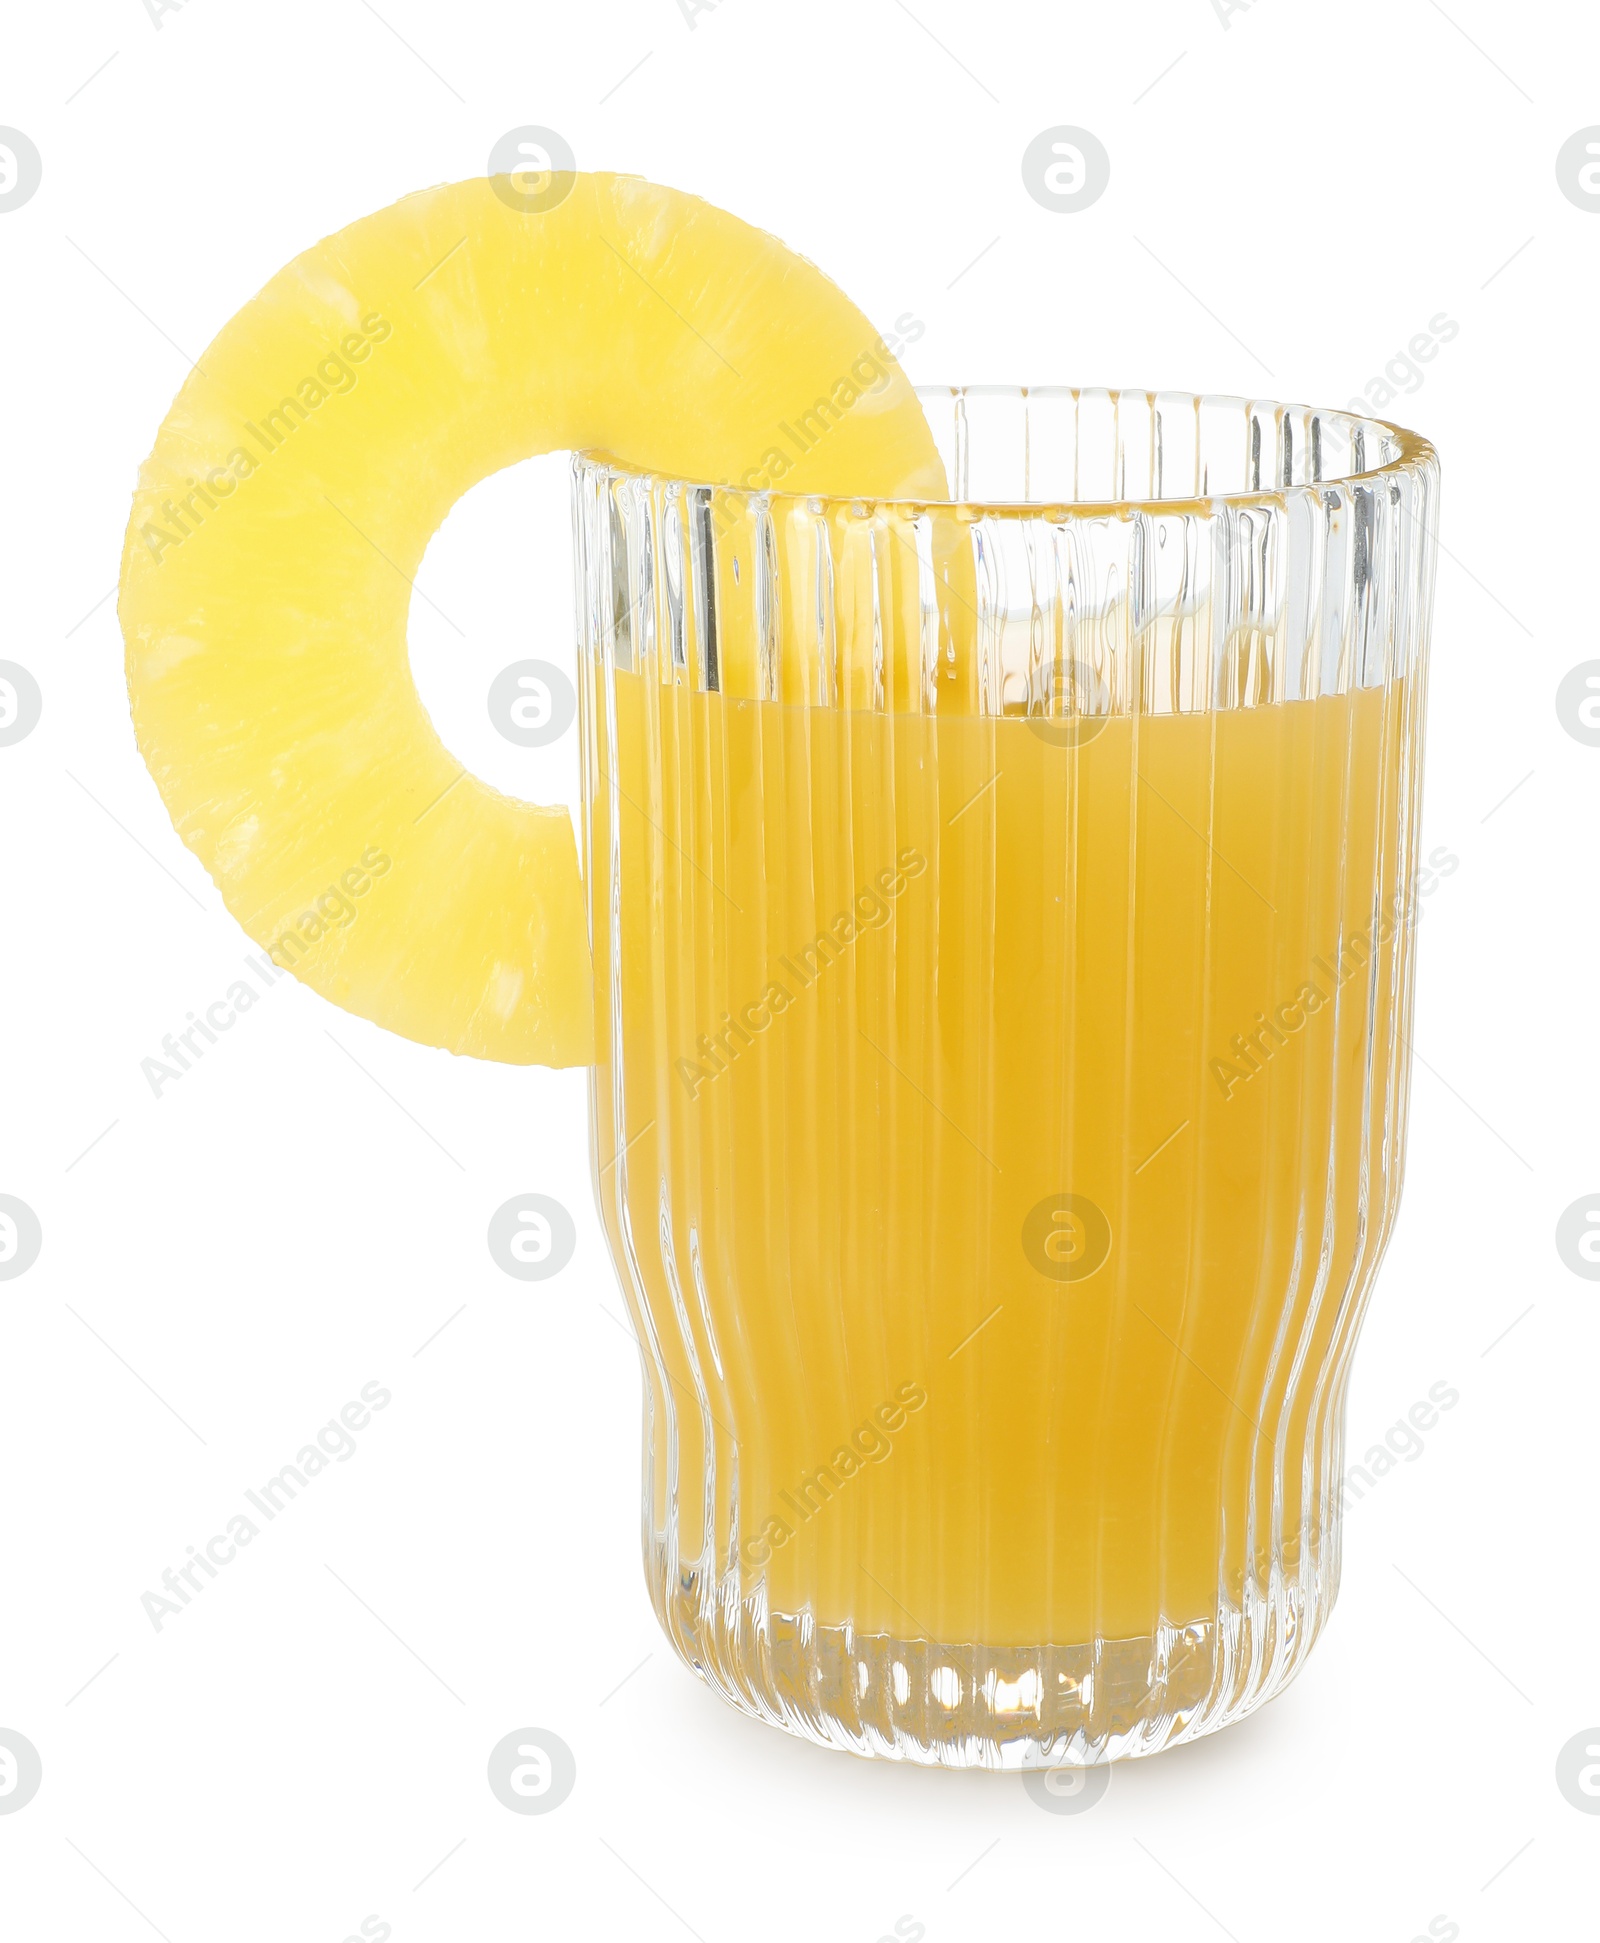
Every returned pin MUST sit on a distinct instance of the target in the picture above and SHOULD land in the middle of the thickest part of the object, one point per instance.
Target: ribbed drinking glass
(1002, 923)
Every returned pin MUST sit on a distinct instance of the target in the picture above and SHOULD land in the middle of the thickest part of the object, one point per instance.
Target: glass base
(1002, 1708)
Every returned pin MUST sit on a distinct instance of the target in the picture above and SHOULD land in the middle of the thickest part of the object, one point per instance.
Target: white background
(224, 1267)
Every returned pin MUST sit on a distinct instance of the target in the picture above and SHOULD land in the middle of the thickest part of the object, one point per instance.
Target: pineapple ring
(294, 487)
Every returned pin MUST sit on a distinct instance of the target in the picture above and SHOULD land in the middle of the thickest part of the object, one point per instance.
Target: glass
(1002, 914)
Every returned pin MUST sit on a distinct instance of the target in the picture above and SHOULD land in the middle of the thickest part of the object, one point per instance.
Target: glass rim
(1411, 454)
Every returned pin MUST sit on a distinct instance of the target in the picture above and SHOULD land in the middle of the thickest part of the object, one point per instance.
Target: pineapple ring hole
(495, 587)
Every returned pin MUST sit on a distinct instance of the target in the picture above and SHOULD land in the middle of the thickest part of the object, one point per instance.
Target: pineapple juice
(983, 1140)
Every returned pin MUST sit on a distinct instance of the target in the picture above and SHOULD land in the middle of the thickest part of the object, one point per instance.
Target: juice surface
(878, 993)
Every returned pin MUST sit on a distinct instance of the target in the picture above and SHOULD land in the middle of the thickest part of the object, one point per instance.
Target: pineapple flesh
(281, 518)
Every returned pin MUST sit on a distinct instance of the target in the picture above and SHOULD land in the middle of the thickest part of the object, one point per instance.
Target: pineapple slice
(294, 486)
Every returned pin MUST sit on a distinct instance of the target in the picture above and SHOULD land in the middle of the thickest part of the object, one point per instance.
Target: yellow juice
(997, 1134)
